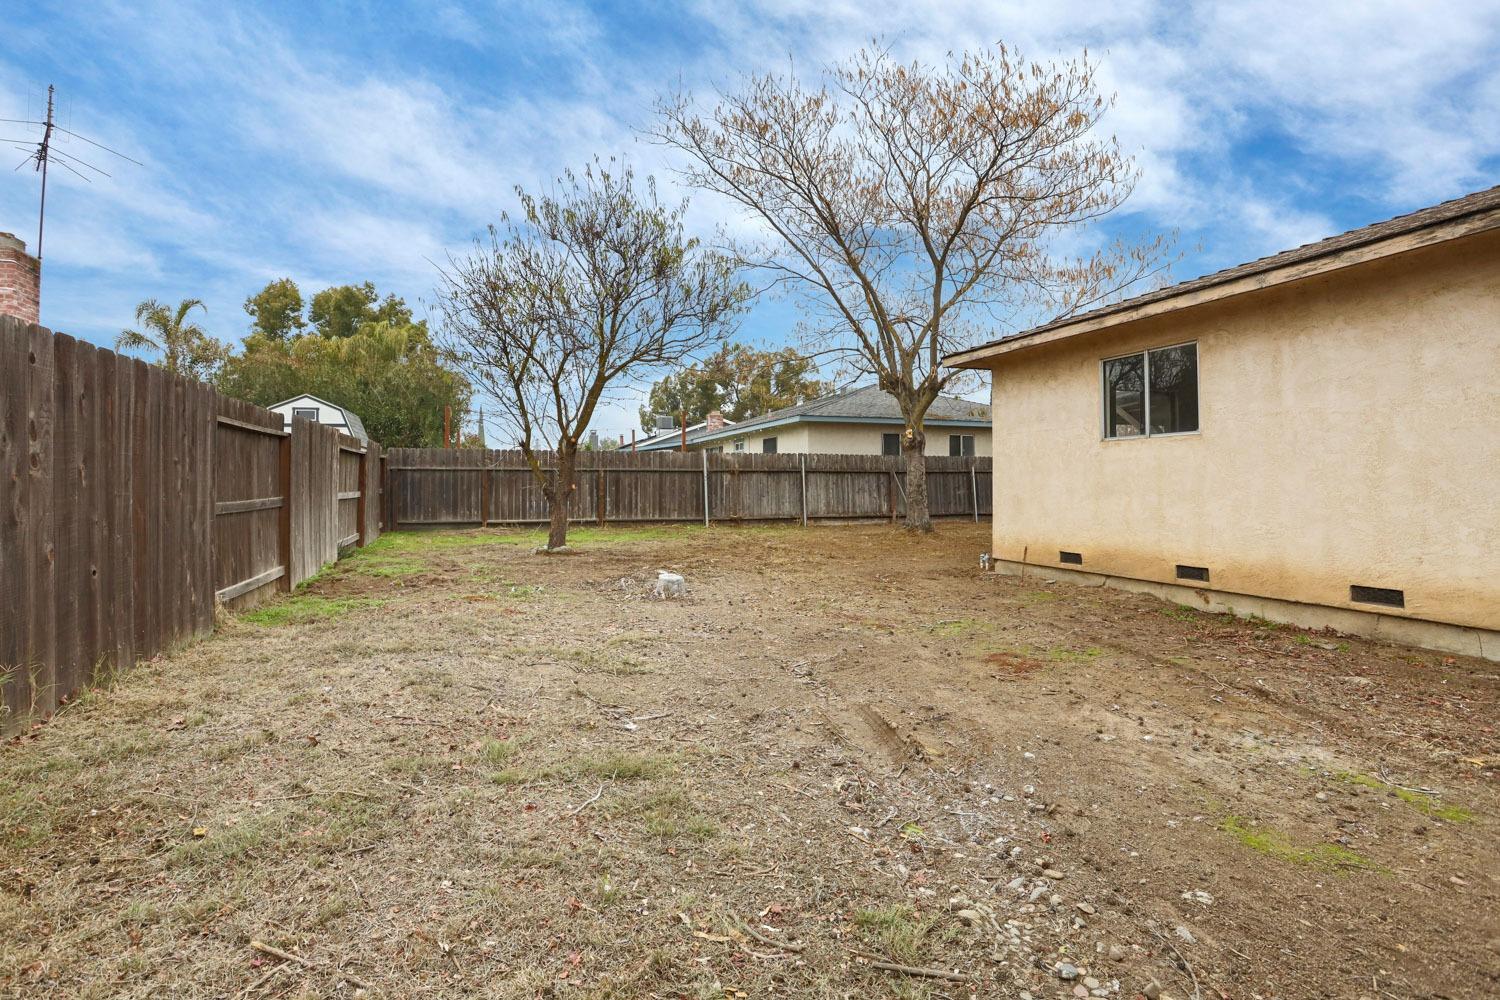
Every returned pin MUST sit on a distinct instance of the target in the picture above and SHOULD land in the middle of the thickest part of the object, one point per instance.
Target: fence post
(284, 522)
(803, 456)
(484, 488)
(359, 505)
(705, 487)
(974, 486)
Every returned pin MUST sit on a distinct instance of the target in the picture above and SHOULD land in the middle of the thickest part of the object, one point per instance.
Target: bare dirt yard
(847, 763)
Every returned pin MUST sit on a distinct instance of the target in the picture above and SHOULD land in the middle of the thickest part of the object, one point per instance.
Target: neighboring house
(1320, 442)
(321, 411)
(855, 422)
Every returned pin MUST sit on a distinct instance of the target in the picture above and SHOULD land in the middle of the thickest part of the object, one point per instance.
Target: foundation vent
(1192, 573)
(1378, 595)
(1072, 558)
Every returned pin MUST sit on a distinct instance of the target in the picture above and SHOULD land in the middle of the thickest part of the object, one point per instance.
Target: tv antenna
(43, 153)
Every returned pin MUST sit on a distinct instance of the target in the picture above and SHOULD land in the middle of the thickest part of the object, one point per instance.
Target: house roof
(865, 405)
(675, 434)
(355, 425)
(1449, 220)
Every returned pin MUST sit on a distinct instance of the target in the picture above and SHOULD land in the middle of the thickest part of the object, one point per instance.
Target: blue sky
(335, 142)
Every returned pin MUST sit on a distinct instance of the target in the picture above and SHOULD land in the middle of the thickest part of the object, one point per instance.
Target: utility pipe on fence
(974, 486)
(803, 456)
(705, 487)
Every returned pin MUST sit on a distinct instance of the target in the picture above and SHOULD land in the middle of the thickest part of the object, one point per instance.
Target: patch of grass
(1427, 805)
(24, 820)
(1183, 613)
(896, 929)
(1038, 597)
(593, 661)
(598, 767)
(302, 609)
(1273, 843)
(957, 626)
(499, 752)
(1059, 654)
(670, 814)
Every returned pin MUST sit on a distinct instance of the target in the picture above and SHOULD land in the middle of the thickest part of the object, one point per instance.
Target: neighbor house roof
(351, 419)
(1460, 217)
(865, 405)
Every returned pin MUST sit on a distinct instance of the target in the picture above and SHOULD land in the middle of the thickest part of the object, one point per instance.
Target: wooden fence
(436, 486)
(134, 500)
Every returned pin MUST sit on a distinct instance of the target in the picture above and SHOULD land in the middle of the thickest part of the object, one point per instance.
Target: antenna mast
(43, 148)
(43, 154)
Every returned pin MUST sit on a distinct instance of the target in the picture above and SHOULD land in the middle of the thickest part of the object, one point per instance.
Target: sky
(338, 142)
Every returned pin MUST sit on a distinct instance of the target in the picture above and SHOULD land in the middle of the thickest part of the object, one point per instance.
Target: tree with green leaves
(184, 346)
(595, 287)
(340, 311)
(739, 381)
(276, 310)
(390, 374)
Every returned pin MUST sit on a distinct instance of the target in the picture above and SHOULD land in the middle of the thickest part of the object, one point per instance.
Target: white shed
(320, 411)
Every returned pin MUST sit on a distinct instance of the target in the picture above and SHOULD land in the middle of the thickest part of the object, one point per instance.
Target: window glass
(961, 445)
(1174, 389)
(1124, 402)
(890, 444)
(768, 446)
(739, 445)
(309, 413)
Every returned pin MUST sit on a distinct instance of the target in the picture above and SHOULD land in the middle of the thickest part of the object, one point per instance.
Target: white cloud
(271, 153)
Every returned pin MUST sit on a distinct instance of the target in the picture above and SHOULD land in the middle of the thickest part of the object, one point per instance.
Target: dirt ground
(848, 763)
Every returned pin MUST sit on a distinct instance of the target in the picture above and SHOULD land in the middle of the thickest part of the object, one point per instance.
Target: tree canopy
(184, 346)
(911, 208)
(595, 286)
(276, 310)
(363, 353)
(739, 381)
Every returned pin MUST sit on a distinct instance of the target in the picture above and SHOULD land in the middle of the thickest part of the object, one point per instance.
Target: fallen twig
(911, 970)
(589, 802)
(1405, 788)
(287, 956)
(783, 945)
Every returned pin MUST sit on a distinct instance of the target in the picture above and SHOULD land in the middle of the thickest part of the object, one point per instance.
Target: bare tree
(594, 287)
(910, 206)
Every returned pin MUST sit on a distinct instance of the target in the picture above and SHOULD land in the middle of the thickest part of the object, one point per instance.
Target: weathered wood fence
(435, 486)
(133, 500)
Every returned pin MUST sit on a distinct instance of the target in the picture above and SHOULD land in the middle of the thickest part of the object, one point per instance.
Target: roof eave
(982, 357)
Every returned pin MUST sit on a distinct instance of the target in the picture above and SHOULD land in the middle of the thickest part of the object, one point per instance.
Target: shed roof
(351, 419)
(1448, 220)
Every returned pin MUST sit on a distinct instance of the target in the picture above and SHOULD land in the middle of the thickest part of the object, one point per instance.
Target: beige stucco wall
(1350, 434)
(850, 439)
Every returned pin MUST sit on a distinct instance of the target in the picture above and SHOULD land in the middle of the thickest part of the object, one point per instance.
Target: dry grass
(450, 768)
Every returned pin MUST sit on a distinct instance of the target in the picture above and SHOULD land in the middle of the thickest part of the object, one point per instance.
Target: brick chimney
(714, 421)
(20, 280)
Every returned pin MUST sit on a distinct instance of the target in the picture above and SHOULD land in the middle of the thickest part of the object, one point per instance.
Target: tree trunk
(914, 450)
(562, 495)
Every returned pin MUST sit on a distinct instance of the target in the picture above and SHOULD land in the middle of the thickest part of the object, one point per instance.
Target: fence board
(131, 499)
(434, 486)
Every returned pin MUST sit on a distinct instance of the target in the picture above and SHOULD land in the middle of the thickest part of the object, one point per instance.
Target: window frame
(884, 440)
(1145, 355)
(973, 445)
(303, 411)
(774, 448)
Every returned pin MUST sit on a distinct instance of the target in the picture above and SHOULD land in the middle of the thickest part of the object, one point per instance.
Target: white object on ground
(669, 585)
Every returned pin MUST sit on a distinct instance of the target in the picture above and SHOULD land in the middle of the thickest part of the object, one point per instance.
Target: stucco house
(321, 411)
(1313, 437)
(863, 421)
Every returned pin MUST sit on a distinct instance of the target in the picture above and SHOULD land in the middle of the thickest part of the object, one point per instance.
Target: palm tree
(186, 348)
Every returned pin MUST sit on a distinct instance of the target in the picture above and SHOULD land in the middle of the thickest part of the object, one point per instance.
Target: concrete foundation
(1440, 636)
